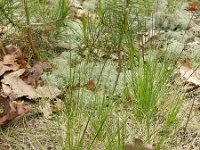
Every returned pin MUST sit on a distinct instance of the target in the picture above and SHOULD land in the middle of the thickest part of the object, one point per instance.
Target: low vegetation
(115, 74)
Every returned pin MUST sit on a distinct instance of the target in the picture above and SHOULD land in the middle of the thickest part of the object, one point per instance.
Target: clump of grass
(149, 90)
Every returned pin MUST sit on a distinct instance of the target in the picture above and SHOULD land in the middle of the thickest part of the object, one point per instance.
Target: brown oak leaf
(91, 86)
(11, 110)
(190, 75)
(4, 68)
(15, 87)
(13, 50)
(33, 75)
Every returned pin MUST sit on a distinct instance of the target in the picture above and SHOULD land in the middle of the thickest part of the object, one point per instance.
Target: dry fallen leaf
(13, 50)
(19, 87)
(21, 110)
(33, 75)
(50, 92)
(14, 57)
(189, 74)
(91, 86)
(17, 73)
(4, 68)
(18, 81)
(9, 60)
(193, 6)
(11, 110)
(6, 89)
(14, 87)
(22, 63)
(46, 110)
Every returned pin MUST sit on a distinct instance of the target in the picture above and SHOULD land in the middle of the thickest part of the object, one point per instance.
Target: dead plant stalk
(29, 32)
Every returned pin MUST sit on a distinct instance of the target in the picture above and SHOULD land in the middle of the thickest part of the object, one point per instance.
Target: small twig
(190, 112)
(29, 32)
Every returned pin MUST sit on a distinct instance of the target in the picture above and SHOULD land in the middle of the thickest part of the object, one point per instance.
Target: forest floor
(104, 97)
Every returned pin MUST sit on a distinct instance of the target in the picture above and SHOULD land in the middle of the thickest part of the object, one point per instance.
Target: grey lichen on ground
(70, 66)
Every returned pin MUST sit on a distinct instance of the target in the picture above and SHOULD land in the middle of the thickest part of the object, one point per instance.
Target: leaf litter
(21, 83)
(190, 75)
